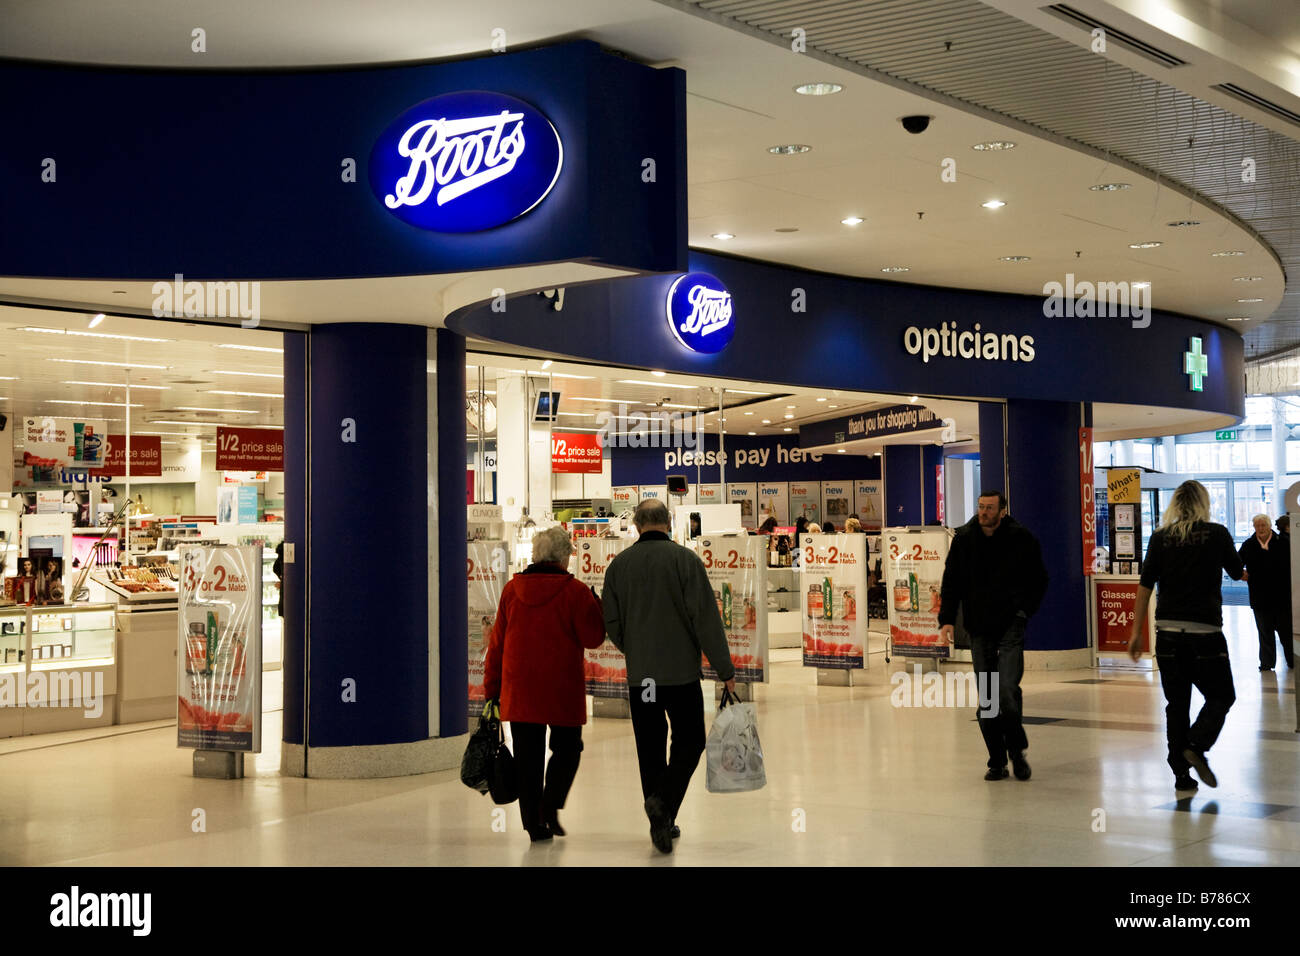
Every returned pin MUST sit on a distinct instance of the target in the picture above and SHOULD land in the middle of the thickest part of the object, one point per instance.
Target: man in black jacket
(1267, 557)
(995, 573)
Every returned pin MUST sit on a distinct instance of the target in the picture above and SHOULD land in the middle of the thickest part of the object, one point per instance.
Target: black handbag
(488, 766)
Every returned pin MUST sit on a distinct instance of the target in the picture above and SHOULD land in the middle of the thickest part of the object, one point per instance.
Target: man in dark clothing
(995, 573)
(660, 611)
(1267, 557)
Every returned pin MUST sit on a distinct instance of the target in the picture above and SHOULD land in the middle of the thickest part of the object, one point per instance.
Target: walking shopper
(1184, 561)
(1267, 557)
(995, 573)
(535, 666)
(660, 611)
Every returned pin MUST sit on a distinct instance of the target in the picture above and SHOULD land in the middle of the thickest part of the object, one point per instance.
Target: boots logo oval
(699, 312)
(465, 162)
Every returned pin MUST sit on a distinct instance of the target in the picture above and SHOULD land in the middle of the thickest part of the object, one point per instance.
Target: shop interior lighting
(606, 401)
(251, 374)
(741, 391)
(113, 364)
(98, 318)
(789, 415)
(753, 433)
(994, 146)
(1141, 285)
(767, 421)
(790, 406)
(1239, 318)
(913, 399)
(896, 269)
(247, 394)
(559, 375)
(1108, 187)
(170, 434)
(822, 399)
(197, 408)
(69, 401)
(251, 348)
(163, 421)
(658, 374)
(818, 89)
(8, 378)
(1250, 300)
(993, 204)
(1179, 223)
(693, 408)
(578, 414)
(788, 429)
(1227, 252)
(1247, 278)
(632, 381)
(1148, 244)
(91, 335)
(156, 388)
(840, 450)
(789, 149)
(1013, 258)
(547, 364)
(851, 221)
(833, 406)
(724, 235)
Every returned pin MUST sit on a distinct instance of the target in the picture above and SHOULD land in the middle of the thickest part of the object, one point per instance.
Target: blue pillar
(904, 485)
(294, 581)
(1042, 488)
(993, 442)
(384, 610)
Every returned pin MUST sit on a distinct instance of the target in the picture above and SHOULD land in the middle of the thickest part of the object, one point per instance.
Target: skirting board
(384, 760)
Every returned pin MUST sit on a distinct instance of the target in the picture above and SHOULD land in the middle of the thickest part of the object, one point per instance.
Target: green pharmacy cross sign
(1196, 364)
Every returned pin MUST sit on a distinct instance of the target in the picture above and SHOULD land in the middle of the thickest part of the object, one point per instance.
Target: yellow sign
(1124, 486)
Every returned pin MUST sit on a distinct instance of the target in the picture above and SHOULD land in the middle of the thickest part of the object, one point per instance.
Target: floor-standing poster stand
(833, 585)
(737, 568)
(605, 665)
(219, 659)
(914, 559)
(486, 574)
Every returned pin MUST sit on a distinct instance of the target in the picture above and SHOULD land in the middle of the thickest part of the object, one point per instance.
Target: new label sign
(700, 313)
(576, 453)
(250, 449)
(465, 162)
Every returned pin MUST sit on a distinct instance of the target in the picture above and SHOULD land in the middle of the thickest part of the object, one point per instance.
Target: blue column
(993, 440)
(453, 616)
(904, 501)
(294, 582)
(1043, 491)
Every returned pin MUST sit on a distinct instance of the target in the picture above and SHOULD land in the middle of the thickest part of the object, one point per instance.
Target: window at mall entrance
(1218, 502)
(1249, 498)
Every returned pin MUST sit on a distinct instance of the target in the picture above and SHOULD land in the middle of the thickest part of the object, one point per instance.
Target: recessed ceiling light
(247, 394)
(821, 399)
(1227, 252)
(578, 414)
(1013, 258)
(92, 335)
(1179, 223)
(914, 398)
(753, 433)
(767, 421)
(789, 416)
(993, 204)
(1250, 300)
(250, 348)
(198, 408)
(1239, 318)
(818, 89)
(789, 149)
(1108, 187)
(741, 391)
(851, 221)
(790, 406)
(1141, 285)
(694, 408)
(99, 317)
(251, 374)
(157, 388)
(8, 378)
(840, 450)
(606, 401)
(724, 235)
(68, 401)
(1247, 278)
(114, 364)
(994, 146)
(896, 269)
(559, 375)
(749, 413)
(1147, 244)
(547, 364)
(658, 374)
(788, 429)
(164, 421)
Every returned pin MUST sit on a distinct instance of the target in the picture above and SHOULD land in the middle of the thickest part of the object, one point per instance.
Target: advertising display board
(869, 503)
(65, 441)
(605, 666)
(576, 453)
(805, 500)
(654, 493)
(833, 583)
(737, 569)
(837, 502)
(624, 498)
(146, 456)
(774, 501)
(1114, 605)
(709, 495)
(250, 449)
(913, 578)
(745, 494)
(1087, 501)
(219, 659)
(485, 567)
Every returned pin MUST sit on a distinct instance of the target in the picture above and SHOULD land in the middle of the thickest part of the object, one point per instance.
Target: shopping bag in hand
(734, 757)
(488, 766)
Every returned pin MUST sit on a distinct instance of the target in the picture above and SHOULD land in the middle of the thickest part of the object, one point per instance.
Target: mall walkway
(875, 785)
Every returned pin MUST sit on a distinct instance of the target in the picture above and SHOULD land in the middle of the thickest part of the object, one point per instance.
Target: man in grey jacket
(660, 611)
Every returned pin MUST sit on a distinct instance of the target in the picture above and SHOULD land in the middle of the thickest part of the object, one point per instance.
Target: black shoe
(1021, 766)
(1185, 783)
(1202, 768)
(551, 820)
(997, 773)
(676, 831)
(1262, 669)
(540, 834)
(661, 832)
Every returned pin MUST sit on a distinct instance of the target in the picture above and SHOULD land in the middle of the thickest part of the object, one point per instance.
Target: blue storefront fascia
(851, 337)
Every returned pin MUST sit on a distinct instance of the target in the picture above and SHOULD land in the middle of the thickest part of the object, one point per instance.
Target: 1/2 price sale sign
(576, 453)
(219, 660)
(250, 449)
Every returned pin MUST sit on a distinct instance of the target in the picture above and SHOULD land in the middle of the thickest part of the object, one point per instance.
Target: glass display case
(77, 635)
(13, 638)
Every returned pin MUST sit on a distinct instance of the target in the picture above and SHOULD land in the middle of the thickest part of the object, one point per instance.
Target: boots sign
(699, 312)
(465, 162)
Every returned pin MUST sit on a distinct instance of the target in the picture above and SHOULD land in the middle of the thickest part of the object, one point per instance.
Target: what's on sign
(700, 312)
(1124, 486)
(250, 449)
(465, 162)
(576, 453)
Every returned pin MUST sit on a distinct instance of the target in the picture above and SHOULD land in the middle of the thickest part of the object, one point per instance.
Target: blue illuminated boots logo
(700, 313)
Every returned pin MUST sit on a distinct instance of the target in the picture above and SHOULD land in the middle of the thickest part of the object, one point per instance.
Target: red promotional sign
(1087, 503)
(938, 492)
(576, 453)
(146, 457)
(250, 449)
(1114, 612)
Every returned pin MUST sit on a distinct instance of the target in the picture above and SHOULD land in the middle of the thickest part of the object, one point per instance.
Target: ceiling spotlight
(1239, 318)
(1247, 278)
(840, 450)
(994, 146)
(723, 235)
(1013, 259)
(896, 269)
(834, 406)
(851, 221)
(818, 89)
(789, 416)
(1227, 252)
(790, 406)
(96, 320)
(821, 399)
(789, 149)
(767, 421)
(788, 429)
(1141, 285)
(749, 413)
(1149, 244)
(1178, 223)
(753, 433)
(1250, 300)
(658, 374)
(993, 204)
(1108, 187)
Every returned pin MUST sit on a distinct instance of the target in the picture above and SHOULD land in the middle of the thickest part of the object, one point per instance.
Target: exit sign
(1229, 435)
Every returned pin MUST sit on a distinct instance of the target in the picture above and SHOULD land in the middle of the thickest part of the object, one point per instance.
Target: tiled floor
(871, 784)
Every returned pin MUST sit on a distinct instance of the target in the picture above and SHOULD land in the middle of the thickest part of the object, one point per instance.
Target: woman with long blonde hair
(1185, 560)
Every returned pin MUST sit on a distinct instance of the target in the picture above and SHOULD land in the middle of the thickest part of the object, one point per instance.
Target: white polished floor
(874, 784)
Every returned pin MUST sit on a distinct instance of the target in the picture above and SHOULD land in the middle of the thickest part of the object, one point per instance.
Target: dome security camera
(916, 124)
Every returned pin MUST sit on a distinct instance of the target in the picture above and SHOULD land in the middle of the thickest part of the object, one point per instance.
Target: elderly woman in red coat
(535, 666)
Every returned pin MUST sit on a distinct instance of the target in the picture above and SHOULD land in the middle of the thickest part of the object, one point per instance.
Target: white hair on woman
(1264, 518)
(552, 545)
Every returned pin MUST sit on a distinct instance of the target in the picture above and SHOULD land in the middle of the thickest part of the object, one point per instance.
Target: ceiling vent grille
(1114, 35)
(1232, 89)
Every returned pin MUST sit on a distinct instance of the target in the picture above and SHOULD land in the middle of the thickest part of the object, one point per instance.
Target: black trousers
(682, 705)
(1187, 661)
(1274, 620)
(999, 662)
(535, 797)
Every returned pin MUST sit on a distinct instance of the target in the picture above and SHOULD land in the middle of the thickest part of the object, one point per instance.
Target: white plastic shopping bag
(734, 757)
